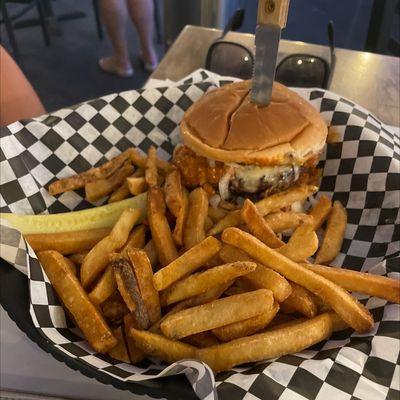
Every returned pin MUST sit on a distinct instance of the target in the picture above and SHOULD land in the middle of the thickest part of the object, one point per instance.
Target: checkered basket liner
(361, 170)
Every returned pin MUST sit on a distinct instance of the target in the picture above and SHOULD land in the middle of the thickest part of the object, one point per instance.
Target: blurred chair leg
(98, 20)
(9, 29)
(43, 22)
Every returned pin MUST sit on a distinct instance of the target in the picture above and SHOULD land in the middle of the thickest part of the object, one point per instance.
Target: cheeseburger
(242, 150)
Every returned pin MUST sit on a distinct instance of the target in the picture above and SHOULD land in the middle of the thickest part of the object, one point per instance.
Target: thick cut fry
(174, 192)
(246, 327)
(217, 313)
(97, 259)
(290, 322)
(337, 323)
(181, 219)
(114, 309)
(216, 213)
(155, 345)
(128, 288)
(160, 230)
(202, 281)
(135, 354)
(66, 242)
(187, 263)
(150, 173)
(135, 240)
(232, 290)
(347, 307)
(72, 266)
(136, 185)
(144, 276)
(263, 346)
(208, 224)
(78, 258)
(320, 211)
(334, 234)
(104, 288)
(140, 161)
(119, 352)
(257, 225)
(194, 231)
(354, 281)
(226, 205)
(97, 189)
(78, 181)
(76, 301)
(300, 300)
(151, 253)
(284, 220)
(262, 277)
(120, 193)
(202, 340)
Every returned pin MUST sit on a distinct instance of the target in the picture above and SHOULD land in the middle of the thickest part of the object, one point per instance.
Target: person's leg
(142, 14)
(114, 14)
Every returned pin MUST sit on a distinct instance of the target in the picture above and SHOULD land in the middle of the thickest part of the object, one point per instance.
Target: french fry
(95, 190)
(347, 307)
(300, 300)
(140, 161)
(337, 323)
(128, 288)
(258, 227)
(104, 287)
(151, 253)
(181, 220)
(119, 352)
(114, 309)
(217, 313)
(97, 259)
(135, 240)
(78, 258)
(320, 211)
(284, 220)
(120, 193)
(291, 322)
(144, 276)
(246, 327)
(135, 354)
(216, 213)
(71, 265)
(280, 319)
(66, 242)
(334, 234)
(194, 232)
(354, 281)
(150, 173)
(187, 263)
(200, 282)
(155, 345)
(267, 345)
(234, 289)
(76, 301)
(78, 181)
(208, 224)
(136, 185)
(202, 340)
(226, 205)
(262, 277)
(174, 192)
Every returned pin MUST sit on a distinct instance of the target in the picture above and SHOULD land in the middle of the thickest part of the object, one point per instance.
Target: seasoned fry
(95, 190)
(334, 234)
(246, 327)
(150, 173)
(97, 259)
(160, 230)
(136, 185)
(263, 346)
(202, 340)
(119, 352)
(135, 240)
(159, 346)
(151, 253)
(104, 288)
(120, 193)
(76, 301)
(284, 220)
(140, 160)
(262, 277)
(174, 192)
(135, 354)
(114, 309)
(144, 276)
(216, 213)
(181, 219)
(347, 307)
(78, 257)
(202, 281)
(187, 263)
(354, 281)
(194, 232)
(66, 242)
(257, 225)
(217, 313)
(300, 300)
(320, 211)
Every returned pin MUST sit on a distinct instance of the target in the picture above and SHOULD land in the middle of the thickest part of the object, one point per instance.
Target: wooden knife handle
(273, 12)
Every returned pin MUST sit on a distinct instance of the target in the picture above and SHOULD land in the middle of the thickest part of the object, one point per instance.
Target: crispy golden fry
(337, 323)
(174, 192)
(150, 173)
(120, 193)
(95, 190)
(246, 327)
(257, 225)
(128, 288)
(194, 232)
(136, 185)
(347, 307)
(140, 161)
(202, 281)
(151, 252)
(228, 206)
(114, 309)
(135, 354)
(284, 220)
(78, 181)
(144, 276)
(301, 245)
(300, 300)
(158, 346)
(135, 240)
(320, 211)
(217, 313)
(280, 319)
(160, 230)
(72, 266)
(208, 224)
(104, 288)
(187, 263)
(97, 259)
(216, 213)
(119, 352)
(334, 234)
(66, 242)
(263, 346)
(234, 289)
(262, 277)
(76, 301)
(202, 340)
(181, 219)
(285, 324)
(354, 281)
(78, 258)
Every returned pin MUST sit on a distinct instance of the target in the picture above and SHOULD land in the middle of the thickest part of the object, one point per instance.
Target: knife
(271, 18)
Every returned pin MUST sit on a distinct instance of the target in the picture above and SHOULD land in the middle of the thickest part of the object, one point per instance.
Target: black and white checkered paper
(361, 170)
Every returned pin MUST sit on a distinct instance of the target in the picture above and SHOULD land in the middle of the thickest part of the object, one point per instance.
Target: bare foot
(110, 65)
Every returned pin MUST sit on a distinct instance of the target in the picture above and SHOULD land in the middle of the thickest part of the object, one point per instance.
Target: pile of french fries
(220, 283)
